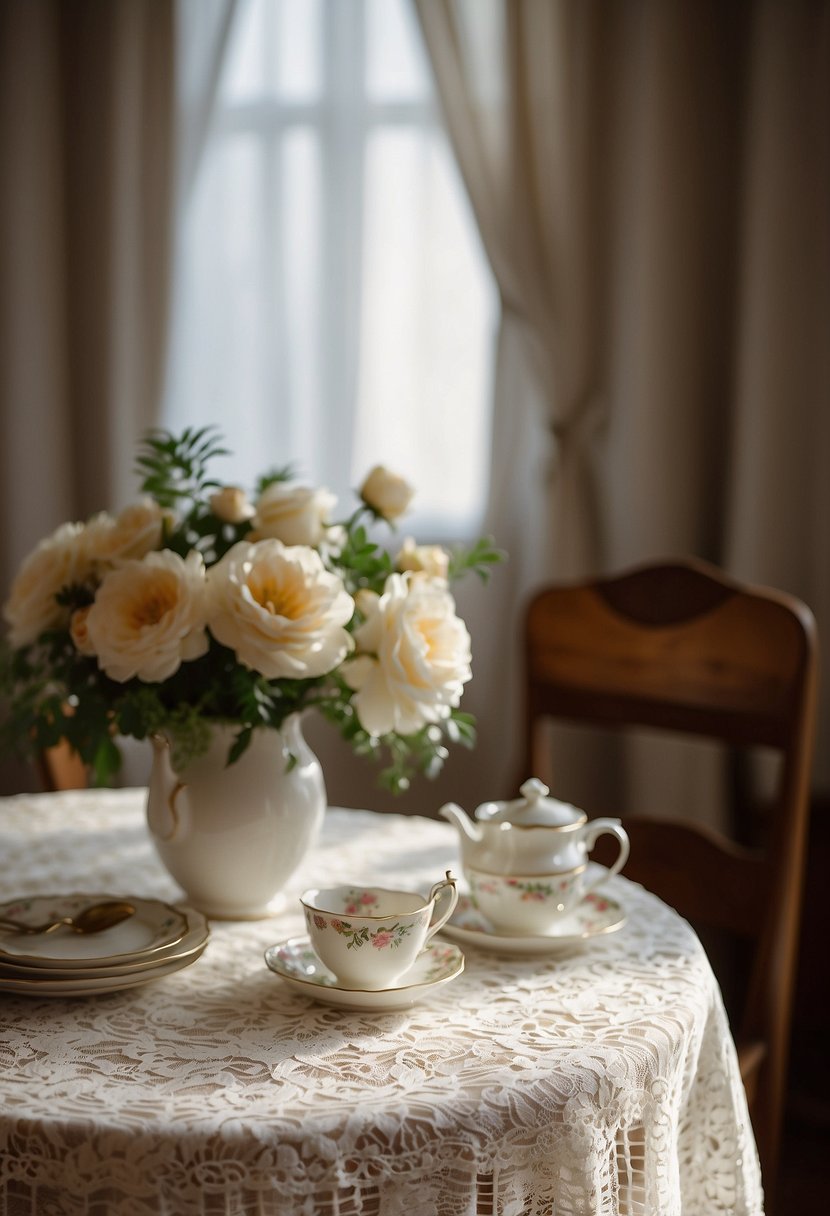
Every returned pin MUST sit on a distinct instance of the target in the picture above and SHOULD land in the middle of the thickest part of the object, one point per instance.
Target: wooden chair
(678, 646)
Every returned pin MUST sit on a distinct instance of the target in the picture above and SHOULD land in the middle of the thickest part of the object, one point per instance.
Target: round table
(598, 1080)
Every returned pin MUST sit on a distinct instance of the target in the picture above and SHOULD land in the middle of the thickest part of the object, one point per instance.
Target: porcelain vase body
(233, 835)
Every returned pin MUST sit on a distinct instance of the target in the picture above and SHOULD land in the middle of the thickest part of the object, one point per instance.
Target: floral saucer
(595, 915)
(295, 962)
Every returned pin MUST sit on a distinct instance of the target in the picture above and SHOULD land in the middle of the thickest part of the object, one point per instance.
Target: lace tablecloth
(598, 1081)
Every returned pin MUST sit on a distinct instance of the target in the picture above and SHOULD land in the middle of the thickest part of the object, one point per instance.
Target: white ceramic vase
(232, 835)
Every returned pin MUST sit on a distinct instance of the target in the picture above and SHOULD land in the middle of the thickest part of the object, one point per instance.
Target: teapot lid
(533, 809)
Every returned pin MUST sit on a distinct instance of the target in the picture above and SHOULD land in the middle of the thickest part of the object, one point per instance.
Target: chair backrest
(678, 646)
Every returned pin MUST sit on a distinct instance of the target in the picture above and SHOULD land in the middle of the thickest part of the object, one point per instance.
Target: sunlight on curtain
(333, 307)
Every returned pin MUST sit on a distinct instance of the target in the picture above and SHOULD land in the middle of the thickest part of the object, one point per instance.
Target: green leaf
(240, 745)
(479, 558)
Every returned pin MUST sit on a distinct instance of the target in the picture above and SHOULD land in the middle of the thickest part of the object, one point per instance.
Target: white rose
(231, 505)
(386, 493)
(149, 616)
(58, 561)
(423, 559)
(296, 515)
(133, 533)
(279, 609)
(415, 657)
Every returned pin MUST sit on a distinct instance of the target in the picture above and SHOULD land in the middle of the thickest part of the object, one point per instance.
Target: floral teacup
(532, 903)
(369, 937)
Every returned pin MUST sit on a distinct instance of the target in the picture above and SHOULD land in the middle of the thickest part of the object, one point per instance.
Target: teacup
(369, 937)
(533, 903)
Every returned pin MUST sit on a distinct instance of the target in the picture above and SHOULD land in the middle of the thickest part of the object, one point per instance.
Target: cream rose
(132, 534)
(415, 656)
(58, 561)
(296, 515)
(423, 559)
(386, 493)
(231, 505)
(149, 616)
(279, 609)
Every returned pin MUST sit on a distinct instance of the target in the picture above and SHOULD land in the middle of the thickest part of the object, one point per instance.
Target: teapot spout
(455, 815)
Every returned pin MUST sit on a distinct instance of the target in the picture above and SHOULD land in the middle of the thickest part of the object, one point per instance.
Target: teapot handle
(600, 827)
(447, 886)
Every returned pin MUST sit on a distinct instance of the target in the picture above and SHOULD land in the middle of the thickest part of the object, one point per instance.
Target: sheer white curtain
(333, 308)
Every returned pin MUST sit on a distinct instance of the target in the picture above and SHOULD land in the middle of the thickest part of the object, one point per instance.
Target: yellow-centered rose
(133, 533)
(58, 562)
(414, 656)
(149, 616)
(279, 609)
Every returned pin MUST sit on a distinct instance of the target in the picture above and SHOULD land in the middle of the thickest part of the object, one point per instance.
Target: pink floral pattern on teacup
(387, 936)
(360, 901)
(539, 891)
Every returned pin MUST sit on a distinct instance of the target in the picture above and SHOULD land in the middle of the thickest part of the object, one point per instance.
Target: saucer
(595, 915)
(295, 962)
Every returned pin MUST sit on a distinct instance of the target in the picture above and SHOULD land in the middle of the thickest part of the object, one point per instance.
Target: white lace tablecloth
(599, 1081)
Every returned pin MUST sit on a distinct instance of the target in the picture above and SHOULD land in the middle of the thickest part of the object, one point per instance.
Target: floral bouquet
(197, 605)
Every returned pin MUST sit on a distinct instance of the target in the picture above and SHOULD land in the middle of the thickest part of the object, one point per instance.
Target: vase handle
(163, 816)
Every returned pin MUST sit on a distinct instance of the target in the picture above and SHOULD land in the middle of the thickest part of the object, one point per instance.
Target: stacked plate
(152, 941)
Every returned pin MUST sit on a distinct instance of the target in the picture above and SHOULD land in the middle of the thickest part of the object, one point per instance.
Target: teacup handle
(445, 887)
(599, 827)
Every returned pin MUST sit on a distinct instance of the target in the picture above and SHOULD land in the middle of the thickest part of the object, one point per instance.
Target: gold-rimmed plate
(189, 948)
(154, 928)
(95, 984)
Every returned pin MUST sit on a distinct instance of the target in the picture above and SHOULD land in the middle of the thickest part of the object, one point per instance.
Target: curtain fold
(87, 140)
(86, 159)
(652, 185)
(521, 85)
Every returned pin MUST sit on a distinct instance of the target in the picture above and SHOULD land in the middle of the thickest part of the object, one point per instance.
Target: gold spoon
(93, 919)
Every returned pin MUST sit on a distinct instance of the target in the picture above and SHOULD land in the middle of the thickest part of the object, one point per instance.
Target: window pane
(223, 342)
(246, 70)
(332, 305)
(301, 285)
(423, 403)
(275, 51)
(298, 49)
(396, 65)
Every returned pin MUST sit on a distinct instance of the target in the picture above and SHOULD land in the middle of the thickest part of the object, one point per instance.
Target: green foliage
(479, 559)
(361, 563)
(175, 470)
(274, 477)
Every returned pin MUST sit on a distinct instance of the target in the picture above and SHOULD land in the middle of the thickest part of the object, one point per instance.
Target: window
(333, 307)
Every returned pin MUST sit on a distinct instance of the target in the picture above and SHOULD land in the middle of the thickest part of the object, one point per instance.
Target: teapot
(532, 835)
